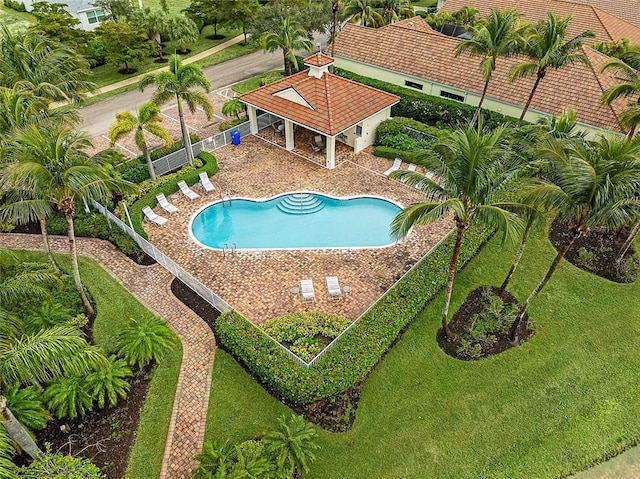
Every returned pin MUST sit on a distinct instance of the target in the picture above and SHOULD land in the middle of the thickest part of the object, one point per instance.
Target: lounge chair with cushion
(206, 182)
(164, 204)
(186, 191)
(306, 289)
(412, 167)
(396, 166)
(333, 287)
(154, 218)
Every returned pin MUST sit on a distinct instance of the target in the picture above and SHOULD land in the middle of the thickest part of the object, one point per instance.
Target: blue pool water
(296, 220)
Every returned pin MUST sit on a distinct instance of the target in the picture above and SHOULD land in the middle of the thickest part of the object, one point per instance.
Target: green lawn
(560, 403)
(252, 83)
(424, 3)
(115, 305)
(15, 20)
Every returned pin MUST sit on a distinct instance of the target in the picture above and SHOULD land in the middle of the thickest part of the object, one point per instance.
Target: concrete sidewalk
(194, 58)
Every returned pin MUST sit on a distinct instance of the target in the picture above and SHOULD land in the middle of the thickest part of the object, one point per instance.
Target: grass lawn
(424, 3)
(229, 53)
(15, 20)
(252, 83)
(115, 305)
(558, 404)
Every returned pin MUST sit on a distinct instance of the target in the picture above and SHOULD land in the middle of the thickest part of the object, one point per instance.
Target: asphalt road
(99, 116)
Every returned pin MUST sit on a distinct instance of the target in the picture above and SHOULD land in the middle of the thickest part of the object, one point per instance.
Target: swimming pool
(300, 220)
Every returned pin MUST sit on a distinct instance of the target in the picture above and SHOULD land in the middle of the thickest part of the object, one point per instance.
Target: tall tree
(56, 23)
(47, 69)
(497, 35)
(588, 185)
(209, 12)
(472, 168)
(155, 22)
(629, 86)
(548, 48)
(147, 119)
(289, 38)
(183, 31)
(125, 43)
(52, 161)
(394, 10)
(241, 14)
(179, 83)
(364, 13)
(292, 444)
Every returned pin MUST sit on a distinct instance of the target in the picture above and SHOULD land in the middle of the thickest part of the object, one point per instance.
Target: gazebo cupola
(318, 64)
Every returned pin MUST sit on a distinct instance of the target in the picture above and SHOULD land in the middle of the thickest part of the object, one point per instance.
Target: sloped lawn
(563, 401)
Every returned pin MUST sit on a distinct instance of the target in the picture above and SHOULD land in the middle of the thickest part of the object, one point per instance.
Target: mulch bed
(104, 436)
(195, 303)
(603, 245)
(460, 324)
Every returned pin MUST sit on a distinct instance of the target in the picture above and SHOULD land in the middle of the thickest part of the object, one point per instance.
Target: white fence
(175, 160)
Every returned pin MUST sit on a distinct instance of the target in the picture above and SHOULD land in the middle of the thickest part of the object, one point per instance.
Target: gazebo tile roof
(318, 60)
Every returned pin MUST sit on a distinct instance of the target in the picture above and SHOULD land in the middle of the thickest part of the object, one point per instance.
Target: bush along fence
(351, 356)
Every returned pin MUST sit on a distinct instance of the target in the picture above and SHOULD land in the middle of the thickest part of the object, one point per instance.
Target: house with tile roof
(85, 11)
(330, 106)
(628, 10)
(411, 54)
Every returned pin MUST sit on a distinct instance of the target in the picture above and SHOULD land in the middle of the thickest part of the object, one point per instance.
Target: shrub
(13, 5)
(360, 348)
(136, 173)
(306, 334)
(108, 382)
(68, 397)
(145, 340)
(27, 406)
(227, 125)
(392, 153)
(585, 258)
(58, 466)
(429, 109)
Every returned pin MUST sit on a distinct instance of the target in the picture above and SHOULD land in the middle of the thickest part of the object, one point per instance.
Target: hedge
(429, 109)
(393, 153)
(168, 185)
(361, 347)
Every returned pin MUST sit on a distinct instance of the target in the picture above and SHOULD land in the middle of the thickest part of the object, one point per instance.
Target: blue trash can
(235, 137)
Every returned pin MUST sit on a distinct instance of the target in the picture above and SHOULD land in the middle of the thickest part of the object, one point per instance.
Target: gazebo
(328, 105)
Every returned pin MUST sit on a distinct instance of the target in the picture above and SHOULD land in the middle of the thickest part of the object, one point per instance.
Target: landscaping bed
(195, 302)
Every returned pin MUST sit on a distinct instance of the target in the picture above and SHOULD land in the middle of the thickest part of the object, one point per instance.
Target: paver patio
(257, 283)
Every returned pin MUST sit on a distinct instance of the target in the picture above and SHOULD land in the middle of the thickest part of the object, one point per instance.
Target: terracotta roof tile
(629, 10)
(336, 103)
(430, 56)
(318, 60)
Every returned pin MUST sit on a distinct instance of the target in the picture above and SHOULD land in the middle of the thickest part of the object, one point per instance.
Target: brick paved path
(151, 286)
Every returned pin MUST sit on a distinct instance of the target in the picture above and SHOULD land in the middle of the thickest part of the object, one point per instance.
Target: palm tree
(364, 13)
(147, 119)
(548, 48)
(289, 38)
(53, 162)
(292, 444)
(179, 82)
(394, 10)
(472, 169)
(47, 69)
(233, 107)
(629, 86)
(496, 36)
(145, 340)
(335, 9)
(182, 30)
(588, 185)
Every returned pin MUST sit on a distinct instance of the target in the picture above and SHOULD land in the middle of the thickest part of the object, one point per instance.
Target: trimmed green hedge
(231, 123)
(360, 348)
(168, 185)
(392, 153)
(429, 109)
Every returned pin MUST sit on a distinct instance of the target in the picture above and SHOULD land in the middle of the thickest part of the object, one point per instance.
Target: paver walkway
(151, 286)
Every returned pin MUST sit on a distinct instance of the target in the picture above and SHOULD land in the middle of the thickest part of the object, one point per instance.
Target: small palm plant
(629, 86)
(48, 314)
(215, 460)
(68, 397)
(145, 340)
(292, 445)
(108, 382)
(233, 107)
(147, 119)
(27, 406)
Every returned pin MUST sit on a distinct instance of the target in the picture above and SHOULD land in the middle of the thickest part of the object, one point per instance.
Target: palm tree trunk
(47, 248)
(147, 155)
(477, 113)
(449, 288)
(629, 241)
(632, 132)
(335, 7)
(539, 77)
(244, 32)
(287, 63)
(17, 432)
(518, 257)
(74, 266)
(513, 334)
(185, 132)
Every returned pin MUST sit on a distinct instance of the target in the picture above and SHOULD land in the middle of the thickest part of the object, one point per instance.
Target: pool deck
(257, 284)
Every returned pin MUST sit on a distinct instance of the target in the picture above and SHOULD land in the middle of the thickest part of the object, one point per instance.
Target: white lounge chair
(333, 287)
(164, 204)
(206, 182)
(154, 218)
(306, 289)
(186, 191)
(411, 167)
(396, 166)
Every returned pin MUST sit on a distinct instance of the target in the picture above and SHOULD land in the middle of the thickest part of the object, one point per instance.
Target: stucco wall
(432, 88)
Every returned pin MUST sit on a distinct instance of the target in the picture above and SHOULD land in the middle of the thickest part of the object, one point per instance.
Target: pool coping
(269, 198)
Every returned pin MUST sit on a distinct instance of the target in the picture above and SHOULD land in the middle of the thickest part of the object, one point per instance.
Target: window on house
(451, 96)
(411, 84)
(358, 130)
(95, 16)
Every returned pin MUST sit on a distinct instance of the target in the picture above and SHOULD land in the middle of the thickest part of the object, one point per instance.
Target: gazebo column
(253, 119)
(288, 134)
(331, 152)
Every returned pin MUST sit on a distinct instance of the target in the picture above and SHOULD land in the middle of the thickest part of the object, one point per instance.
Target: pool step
(300, 204)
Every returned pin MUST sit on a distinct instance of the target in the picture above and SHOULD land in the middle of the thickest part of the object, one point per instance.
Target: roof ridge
(596, 75)
(326, 77)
